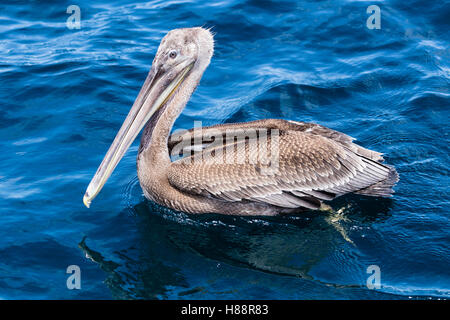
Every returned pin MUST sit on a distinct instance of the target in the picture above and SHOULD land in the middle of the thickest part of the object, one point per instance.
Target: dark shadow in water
(296, 102)
(288, 245)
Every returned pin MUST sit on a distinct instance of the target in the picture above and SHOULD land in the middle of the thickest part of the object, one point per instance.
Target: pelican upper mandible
(263, 167)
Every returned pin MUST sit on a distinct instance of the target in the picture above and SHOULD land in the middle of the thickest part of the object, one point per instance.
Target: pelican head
(182, 57)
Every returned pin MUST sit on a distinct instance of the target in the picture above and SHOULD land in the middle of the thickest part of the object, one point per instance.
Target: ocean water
(65, 92)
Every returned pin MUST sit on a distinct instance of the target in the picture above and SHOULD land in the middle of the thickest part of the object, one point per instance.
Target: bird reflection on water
(288, 246)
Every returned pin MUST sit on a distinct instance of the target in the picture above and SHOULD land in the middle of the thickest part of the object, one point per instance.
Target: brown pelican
(308, 165)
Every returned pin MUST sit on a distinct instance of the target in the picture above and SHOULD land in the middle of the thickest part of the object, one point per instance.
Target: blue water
(64, 94)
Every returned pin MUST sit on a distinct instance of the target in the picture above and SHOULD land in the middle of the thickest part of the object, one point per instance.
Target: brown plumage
(267, 167)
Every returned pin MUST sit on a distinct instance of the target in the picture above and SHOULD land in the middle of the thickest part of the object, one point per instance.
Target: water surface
(65, 93)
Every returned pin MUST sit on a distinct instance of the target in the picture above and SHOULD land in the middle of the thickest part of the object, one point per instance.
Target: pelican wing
(306, 167)
(201, 137)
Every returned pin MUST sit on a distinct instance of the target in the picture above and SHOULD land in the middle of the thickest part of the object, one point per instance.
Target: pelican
(309, 164)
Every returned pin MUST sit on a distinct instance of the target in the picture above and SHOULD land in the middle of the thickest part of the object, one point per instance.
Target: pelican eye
(173, 54)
